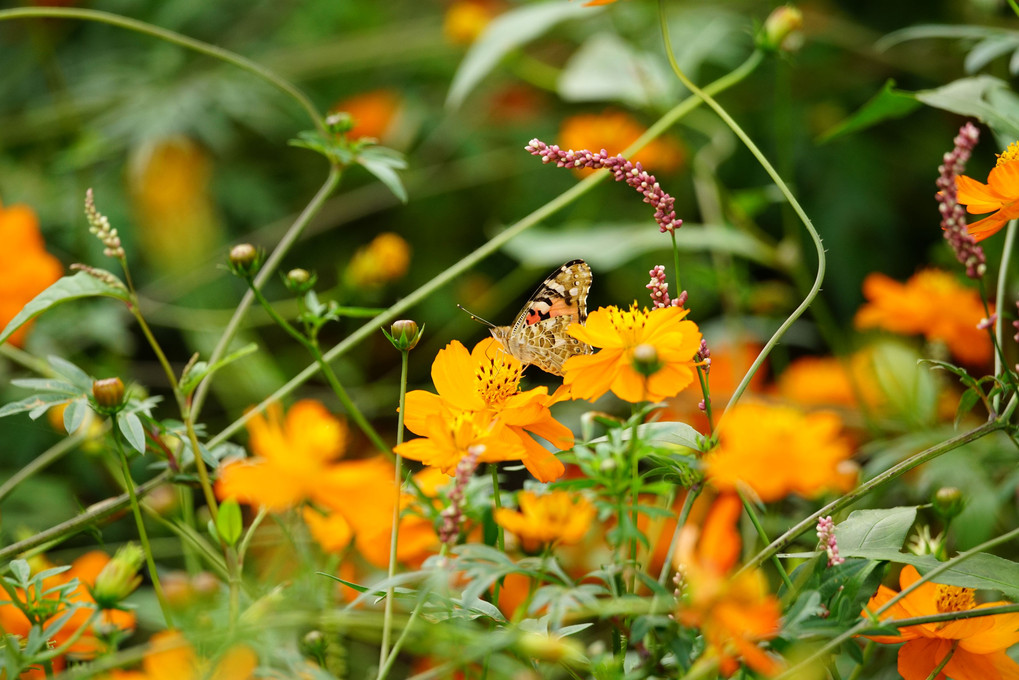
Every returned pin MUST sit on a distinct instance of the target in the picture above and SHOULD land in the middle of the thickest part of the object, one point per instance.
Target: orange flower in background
(999, 196)
(170, 183)
(555, 517)
(614, 131)
(385, 259)
(733, 612)
(85, 568)
(27, 268)
(486, 383)
(618, 332)
(778, 450)
(466, 20)
(374, 113)
(294, 458)
(932, 303)
(829, 381)
(171, 657)
(979, 644)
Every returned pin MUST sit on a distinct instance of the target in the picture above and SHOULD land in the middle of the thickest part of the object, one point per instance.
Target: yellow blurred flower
(169, 181)
(555, 517)
(487, 381)
(27, 268)
(466, 20)
(733, 612)
(778, 450)
(171, 657)
(374, 113)
(932, 303)
(618, 333)
(614, 131)
(385, 259)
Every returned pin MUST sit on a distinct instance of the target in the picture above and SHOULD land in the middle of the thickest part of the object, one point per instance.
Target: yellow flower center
(497, 380)
(629, 323)
(1008, 155)
(954, 599)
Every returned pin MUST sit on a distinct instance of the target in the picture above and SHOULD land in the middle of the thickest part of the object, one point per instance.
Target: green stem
(894, 472)
(47, 457)
(500, 536)
(75, 636)
(267, 269)
(143, 535)
(764, 538)
(176, 39)
(702, 377)
(782, 187)
(384, 670)
(457, 270)
(634, 499)
(684, 512)
(387, 621)
(944, 662)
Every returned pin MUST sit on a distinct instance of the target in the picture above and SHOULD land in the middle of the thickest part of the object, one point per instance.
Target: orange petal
(257, 483)
(419, 406)
(453, 376)
(238, 663)
(989, 226)
(976, 196)
(590, 376)
(965, 665)
(918, 658)
(538, 460)
(1003, 180)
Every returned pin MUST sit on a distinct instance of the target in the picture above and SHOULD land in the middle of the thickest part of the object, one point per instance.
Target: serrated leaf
(867, 530)
(505, 33)
(887, 104)
(81, 285)
(36, 405)
(75, 414)
(134, 432)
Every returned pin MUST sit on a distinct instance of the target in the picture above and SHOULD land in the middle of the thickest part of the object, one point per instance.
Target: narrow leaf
(888, 104)
(131, 427)
(78, 377)
(37, 404)
(74, 415)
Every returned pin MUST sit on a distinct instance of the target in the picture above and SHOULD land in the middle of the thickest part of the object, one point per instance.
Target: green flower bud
(404, 334)
(948, 502)
(299, 281)
(782, 30)
(119, 577)
(108, 394)
(245, 260)
(645, 360)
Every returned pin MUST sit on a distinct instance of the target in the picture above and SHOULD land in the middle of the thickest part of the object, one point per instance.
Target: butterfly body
(538, 334)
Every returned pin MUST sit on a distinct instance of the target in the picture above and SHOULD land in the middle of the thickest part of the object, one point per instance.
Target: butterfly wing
(549, 345)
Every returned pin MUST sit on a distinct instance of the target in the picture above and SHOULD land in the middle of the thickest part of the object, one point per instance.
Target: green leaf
(383, 163)
(867, 530)
(36, 405)
(925, 31)
(81, 285)
(967, 401)
(504, 34)
(75, 375)
(606, 67)
(201, 369)
(986, 98)
(22, 572)
(229, 524)
(607, 246)
(133, 430)
(888, 104)
(74, 415)
(670, 433)
(982, 571)
(48, 385)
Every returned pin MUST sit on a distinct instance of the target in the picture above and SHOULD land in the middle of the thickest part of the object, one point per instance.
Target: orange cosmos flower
(932, 303)
(999, 196)
(85, 568)
(466, 20)
(171, 657)
(614, 131)
(294, 458)
(555, 517)
(27, 268)
(980, 643)
(374, 113)
(733, 612)
(617, 332)
(486, 384)
(828, 381)
(778, 450)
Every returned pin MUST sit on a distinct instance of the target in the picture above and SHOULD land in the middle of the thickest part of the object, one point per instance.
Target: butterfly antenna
(476, 317)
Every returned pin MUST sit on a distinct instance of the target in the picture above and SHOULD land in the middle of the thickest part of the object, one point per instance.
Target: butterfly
(538, 334)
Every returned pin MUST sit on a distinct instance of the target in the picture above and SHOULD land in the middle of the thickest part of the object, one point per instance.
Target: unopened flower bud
(645, 360)
(108, 394)
(550, 648)
(299, 281)
(245, 260)
(314, 644)
(948, 502)
(404, 334)
(782, 30)
(119, 577)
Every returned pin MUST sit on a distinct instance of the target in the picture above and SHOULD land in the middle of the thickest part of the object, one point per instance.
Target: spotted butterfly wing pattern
(538, 335)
